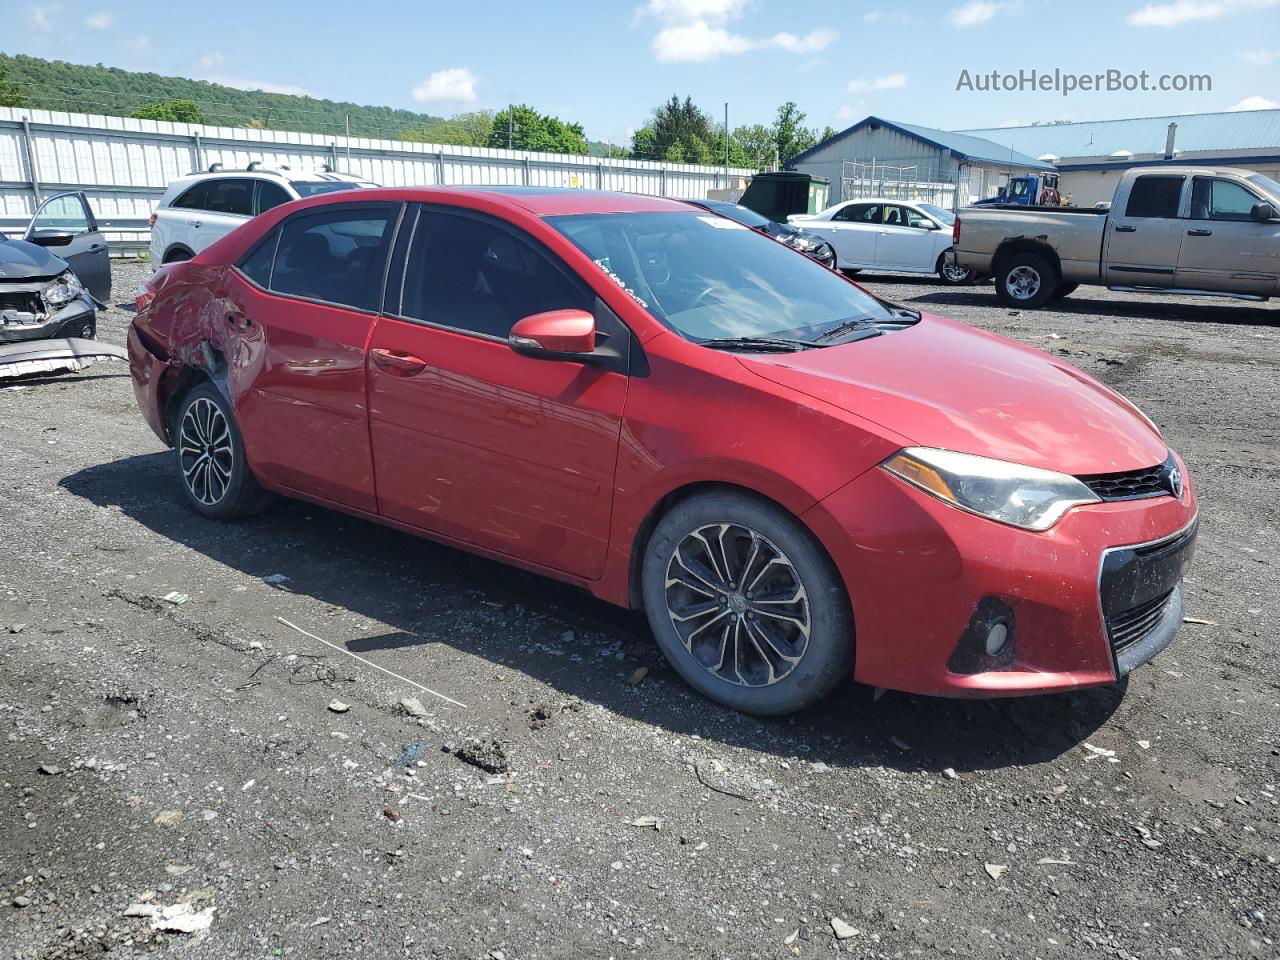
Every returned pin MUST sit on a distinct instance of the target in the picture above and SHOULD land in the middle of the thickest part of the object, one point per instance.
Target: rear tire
(850, 271)
(209, 453)
(1026, 280)
(1064, 290)
(746, 605)
(177, 256)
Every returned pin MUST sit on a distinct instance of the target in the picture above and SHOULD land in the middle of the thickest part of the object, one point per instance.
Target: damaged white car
(52, 282)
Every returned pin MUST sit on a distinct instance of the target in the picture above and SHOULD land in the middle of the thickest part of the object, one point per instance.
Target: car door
(906, 241)
(853, 230)
(299, 309)
(1223, 247)
(227, 204)
(472, 441)
(65, 224)
(1143, 239)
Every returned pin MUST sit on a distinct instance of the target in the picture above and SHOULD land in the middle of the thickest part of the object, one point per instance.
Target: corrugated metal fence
(123, 165)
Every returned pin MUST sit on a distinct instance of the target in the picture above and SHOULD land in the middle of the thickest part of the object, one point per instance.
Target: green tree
(790, 135)
(756, 142)
(524, 128)
(682, 133)
(175, 111)
(10, 92)
(644, 144)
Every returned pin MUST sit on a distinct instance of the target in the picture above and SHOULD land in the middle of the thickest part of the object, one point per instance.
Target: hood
(944, 384)
(20, 260)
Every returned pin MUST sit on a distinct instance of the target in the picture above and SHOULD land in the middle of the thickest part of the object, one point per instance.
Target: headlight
(63, 290)
(1011, 493)
(803, 243)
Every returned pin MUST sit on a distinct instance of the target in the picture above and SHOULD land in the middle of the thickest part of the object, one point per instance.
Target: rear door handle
(397, 361)
(1199, 233)
(195, 223)
(1126, 229)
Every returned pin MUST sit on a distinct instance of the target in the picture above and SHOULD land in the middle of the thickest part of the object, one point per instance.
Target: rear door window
(337, 256)
(195, 197)
(231, 196)
(859, 213)
(1154, 198)
(257, 264)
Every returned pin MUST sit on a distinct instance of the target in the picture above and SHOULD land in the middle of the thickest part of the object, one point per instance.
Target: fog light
(997, 636)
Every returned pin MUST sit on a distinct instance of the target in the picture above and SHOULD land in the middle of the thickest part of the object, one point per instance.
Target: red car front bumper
(928, 580)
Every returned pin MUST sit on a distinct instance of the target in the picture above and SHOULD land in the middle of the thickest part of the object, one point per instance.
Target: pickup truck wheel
(1026, 280)
(1064, 290)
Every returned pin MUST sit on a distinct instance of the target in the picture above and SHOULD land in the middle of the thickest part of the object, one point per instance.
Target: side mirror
(928, 225)
(51, 238)
(555, 335)
(1263, 212)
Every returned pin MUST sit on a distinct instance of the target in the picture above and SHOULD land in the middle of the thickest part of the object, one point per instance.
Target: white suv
(204, 207)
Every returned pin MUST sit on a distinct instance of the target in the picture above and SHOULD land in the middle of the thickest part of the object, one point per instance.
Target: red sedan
(797, 480)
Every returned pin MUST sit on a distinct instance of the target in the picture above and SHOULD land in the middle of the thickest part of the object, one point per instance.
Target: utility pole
(726, 145)
(348, 116)
(511, 123)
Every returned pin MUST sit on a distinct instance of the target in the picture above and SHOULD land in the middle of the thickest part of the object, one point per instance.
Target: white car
(204, 207)
(882, 234)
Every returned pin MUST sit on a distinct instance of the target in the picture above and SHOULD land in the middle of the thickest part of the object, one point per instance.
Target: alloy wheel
(955, 273)
(737, 604)
(1023, 282)
(205, 451)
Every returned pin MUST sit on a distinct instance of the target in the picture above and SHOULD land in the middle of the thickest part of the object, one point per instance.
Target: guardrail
(124, 165)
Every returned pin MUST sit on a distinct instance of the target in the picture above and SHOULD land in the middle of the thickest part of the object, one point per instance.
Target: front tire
(209, 452)
(952, 274)
(1064, 290)
(746, 605)
(1026, 280)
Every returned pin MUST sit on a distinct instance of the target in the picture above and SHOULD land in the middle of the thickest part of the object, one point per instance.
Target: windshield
(945, 217)
(708, 278)
(309, 188)
(1266, 184)
(1018, 188)
(744, 215)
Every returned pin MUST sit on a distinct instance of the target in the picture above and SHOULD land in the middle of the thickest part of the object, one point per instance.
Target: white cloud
(871, 16)
(266, 86)
(1260, 58)
(455, 85)
(978, 12)
(210, 60)
(1256, 103)
(891, 81)
(98, 21)
(697, 31)
(811, 42)
(1190, 11)
(689, 11)
(44, 18)
(697, 43)
(847, 111)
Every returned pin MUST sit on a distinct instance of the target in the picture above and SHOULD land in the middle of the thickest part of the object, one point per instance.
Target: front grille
(20, 302)
(1158, 481)
(1131, 626)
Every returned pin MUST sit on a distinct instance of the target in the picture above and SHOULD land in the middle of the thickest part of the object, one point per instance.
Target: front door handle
(397, 361)
(1199, 233)
(1124, 229)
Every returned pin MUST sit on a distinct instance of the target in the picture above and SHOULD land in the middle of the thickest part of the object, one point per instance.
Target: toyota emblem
(1175, 482)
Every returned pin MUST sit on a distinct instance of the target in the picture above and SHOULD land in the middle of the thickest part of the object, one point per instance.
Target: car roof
(540, 201)
(293, 176)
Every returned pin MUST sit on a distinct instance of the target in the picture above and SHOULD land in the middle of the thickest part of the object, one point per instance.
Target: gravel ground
(190, 757)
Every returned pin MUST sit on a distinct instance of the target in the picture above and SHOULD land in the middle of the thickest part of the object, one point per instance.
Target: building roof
(1197, 133)
(966, 147)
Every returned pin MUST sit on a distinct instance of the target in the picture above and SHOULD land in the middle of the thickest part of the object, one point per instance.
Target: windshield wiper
(761, 344)
(864, 324)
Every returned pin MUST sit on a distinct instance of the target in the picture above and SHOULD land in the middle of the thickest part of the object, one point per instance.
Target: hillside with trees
(679, 131)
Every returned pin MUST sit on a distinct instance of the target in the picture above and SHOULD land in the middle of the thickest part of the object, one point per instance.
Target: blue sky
(606, 64)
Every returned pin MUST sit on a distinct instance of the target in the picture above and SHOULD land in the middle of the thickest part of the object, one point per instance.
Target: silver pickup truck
(1204, 231)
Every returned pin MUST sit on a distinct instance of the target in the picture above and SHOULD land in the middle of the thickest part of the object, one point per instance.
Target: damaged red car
(798, 481)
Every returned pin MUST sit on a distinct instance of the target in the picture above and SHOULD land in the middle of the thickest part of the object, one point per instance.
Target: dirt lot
(156, 754)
